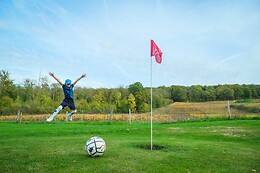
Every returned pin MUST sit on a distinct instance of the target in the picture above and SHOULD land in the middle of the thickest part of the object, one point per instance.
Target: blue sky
(203, 42)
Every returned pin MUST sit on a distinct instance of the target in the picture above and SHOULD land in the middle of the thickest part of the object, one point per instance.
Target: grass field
(216, 146)
(209, 109)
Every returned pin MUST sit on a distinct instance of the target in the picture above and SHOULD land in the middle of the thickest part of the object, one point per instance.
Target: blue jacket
(68, 91)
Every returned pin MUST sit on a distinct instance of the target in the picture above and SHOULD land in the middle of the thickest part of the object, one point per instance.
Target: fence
(171, 113)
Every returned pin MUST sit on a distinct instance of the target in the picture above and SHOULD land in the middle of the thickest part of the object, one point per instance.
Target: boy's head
(67, 82)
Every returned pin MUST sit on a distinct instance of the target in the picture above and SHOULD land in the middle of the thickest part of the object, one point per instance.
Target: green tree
(99, 96)
(115, 97)
(247, 92)
(83, 106)
(131, 103)
(96, 107)
(141, 102)
(208, 94)
(223, 92)
(196, 93)
(140, 95)
(238, 91)
(7, 87)
(27, 91)
(56, 92)
(257, 88)
(123, 106)
(178, 93)
(136, 87)
(6, 105)
(8, 93)
(253, 91)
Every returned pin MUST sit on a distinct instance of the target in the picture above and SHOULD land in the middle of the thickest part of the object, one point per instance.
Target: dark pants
(69, 103)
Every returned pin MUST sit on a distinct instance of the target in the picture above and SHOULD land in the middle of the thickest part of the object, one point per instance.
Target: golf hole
(155, 147)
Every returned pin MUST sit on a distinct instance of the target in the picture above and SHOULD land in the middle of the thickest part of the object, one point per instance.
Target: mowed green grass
(217, 146)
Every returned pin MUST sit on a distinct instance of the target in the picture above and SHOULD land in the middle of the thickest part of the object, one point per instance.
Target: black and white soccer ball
(95, 146)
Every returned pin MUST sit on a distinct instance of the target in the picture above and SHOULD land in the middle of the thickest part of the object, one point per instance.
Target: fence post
(111, 114)
(19, 116)
(130, 116)
(228, 109)
(82, 116)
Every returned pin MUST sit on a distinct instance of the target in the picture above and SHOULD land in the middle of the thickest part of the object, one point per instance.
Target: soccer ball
(95, 146)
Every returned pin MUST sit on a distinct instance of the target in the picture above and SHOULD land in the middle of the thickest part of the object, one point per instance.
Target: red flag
(156, 52)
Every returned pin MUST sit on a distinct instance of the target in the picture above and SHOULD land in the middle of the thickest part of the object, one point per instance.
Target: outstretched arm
(58, 80)
(82, 76)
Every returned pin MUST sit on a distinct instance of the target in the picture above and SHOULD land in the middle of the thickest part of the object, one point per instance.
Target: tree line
(42, 97)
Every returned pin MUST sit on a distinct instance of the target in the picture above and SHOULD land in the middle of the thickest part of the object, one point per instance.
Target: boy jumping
(69, 97)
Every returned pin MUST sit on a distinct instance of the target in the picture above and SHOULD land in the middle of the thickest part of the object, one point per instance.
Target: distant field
(178, 111)
(206, 109)
(217, 146)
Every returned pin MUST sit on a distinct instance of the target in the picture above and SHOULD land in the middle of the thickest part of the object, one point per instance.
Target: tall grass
(179, 111)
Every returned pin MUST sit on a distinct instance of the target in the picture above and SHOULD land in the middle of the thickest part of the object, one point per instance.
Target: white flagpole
(151, 105)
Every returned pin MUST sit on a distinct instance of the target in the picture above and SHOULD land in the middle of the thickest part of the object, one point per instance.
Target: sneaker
(69, 118)
(49, 119)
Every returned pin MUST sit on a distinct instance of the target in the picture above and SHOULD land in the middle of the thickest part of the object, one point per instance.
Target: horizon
(50, 82)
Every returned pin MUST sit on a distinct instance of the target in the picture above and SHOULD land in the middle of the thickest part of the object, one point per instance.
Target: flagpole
(151, 104)
(155, 51)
